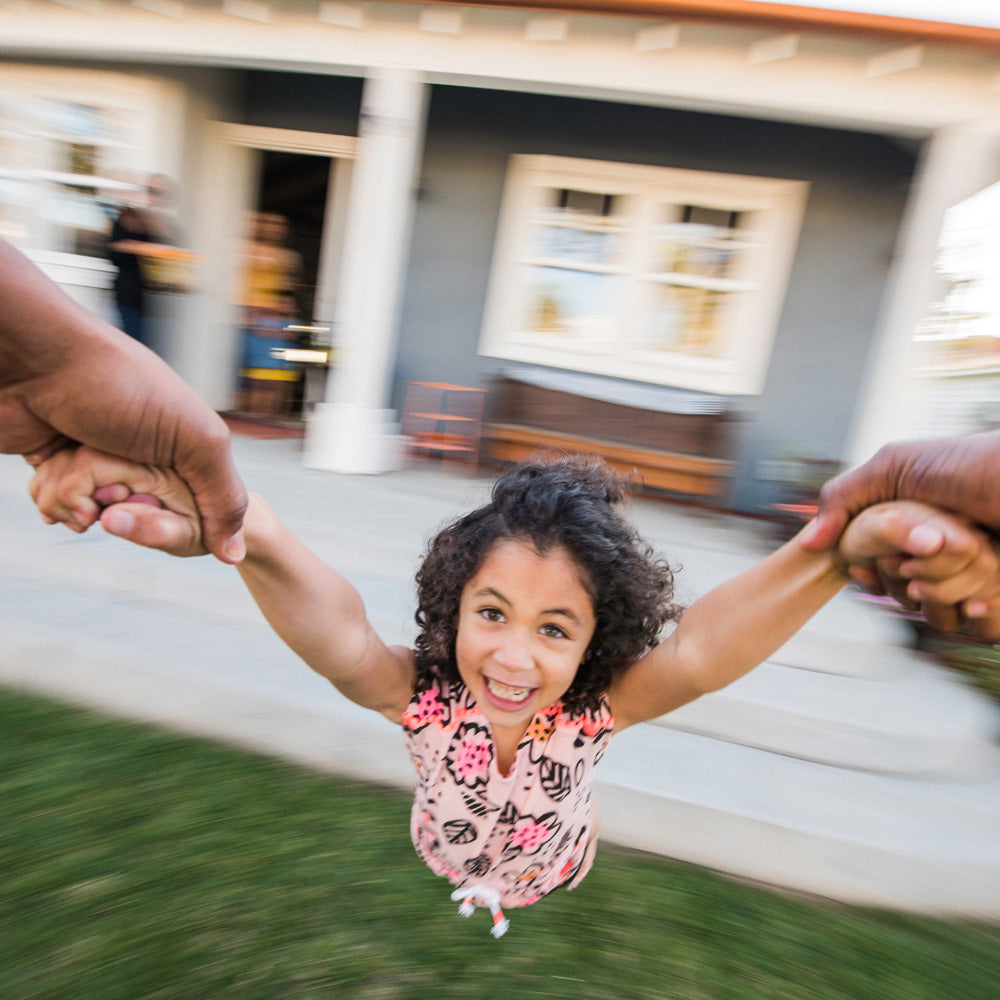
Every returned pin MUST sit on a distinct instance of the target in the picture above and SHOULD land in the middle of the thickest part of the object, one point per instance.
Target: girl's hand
(927, 559)
(144, 504)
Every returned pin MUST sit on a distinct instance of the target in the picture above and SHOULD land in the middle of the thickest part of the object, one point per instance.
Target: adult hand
(68, 375)
(939, 563)
(959, 474)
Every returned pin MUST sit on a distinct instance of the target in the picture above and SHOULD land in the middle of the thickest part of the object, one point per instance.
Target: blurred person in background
(131, 233)
(144, 245)
(67, 376)
(271, 273)
(959, 474)
(161, 210)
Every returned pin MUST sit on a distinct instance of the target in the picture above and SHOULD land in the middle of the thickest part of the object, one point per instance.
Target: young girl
(540, 618)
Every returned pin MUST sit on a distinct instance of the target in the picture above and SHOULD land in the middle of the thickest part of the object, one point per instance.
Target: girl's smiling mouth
(506, 696)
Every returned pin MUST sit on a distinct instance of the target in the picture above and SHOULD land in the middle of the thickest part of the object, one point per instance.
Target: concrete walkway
(846, 766)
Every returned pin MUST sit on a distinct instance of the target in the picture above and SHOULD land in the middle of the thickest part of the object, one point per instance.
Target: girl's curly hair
(567, 502)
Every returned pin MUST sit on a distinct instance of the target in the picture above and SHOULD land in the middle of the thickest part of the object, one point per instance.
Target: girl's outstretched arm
(321, 616)
(728, 632)
(741, 623)
(313, 608)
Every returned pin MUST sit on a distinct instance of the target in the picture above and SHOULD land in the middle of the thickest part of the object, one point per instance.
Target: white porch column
(957, 161)
(353, 431)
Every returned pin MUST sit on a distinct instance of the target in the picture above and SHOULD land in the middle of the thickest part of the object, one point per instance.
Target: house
(721, 208)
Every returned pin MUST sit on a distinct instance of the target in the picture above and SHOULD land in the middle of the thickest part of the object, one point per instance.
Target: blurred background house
(719, 218)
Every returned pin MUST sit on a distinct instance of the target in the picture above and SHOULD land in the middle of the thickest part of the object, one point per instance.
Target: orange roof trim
(762, 13)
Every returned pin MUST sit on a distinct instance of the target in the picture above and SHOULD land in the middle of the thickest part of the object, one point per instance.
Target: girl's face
(524, 625)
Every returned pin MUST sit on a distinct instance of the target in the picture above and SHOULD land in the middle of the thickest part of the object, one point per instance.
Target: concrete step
(925, 845)
(913, 719)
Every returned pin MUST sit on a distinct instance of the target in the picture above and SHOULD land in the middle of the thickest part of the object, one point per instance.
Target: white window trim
(780, 204)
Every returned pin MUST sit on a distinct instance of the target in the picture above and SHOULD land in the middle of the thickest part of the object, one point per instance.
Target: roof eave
(758, 12)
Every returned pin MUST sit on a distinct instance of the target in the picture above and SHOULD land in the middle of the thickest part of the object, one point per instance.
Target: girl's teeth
(506, 692)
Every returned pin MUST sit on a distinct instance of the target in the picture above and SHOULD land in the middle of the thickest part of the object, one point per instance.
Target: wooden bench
(676, 452)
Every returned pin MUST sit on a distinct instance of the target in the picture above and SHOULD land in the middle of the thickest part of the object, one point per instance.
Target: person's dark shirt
(129, 288)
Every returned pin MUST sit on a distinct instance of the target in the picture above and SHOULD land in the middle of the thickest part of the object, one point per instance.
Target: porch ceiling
(903, 84)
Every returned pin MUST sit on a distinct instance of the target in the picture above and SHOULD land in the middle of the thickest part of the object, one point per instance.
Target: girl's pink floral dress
(522, 834)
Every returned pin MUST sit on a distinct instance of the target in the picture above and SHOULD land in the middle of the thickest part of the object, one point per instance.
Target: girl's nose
(514, 653)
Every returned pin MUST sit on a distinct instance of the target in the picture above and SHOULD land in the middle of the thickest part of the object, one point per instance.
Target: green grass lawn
(136, 864)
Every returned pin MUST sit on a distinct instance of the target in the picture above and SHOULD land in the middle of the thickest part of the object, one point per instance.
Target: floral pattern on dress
(554, 778)
(460, 831)
(477, 866)
(510, 814)
(595, 727)
(470, 763)
(530, 834)
(478, 804)
(542, 726)
(425, 708)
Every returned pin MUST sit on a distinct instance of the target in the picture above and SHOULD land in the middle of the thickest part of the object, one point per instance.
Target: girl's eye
(554, 632)
(492, 614)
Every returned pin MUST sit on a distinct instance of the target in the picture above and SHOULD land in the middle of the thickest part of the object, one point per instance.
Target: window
(57, 162)
(70, 144)
(667, 276)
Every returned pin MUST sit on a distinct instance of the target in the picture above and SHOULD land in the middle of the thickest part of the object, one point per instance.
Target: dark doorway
(279, 285)
(295, 185)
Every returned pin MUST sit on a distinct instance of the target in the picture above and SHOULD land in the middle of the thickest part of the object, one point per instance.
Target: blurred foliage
(139, 865)
(976, 658)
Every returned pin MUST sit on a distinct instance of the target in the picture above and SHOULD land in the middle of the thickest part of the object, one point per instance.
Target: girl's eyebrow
(564, 612)
(491, 592)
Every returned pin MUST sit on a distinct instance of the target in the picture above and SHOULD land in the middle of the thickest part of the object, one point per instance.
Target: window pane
(687, 320)
(14, 199)
(699, 241)
(81, 158)
(15, 193)
(568, 303)
(71, 121)
(72, 148)
(577, 227)
(81, 222)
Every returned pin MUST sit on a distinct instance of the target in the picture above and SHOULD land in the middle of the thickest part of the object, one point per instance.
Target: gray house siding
(858, 189)
(834, 297)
